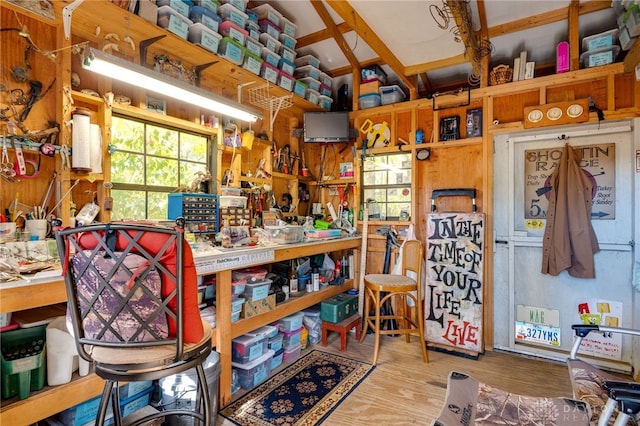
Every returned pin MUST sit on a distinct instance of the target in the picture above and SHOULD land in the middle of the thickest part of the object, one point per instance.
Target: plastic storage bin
(204, 36)
(602, 56)
(275, 343)
(252, 15)
(173, 21)
(291, 323)
(205, 16)
(286, 66)
(270, 73)
(286, 82)
(247, 348)
(268, 331)
(254, 46)
(233, 31)
(311, 83)
(237, 288)
(271, 43)
(211, 5)
(182, 7)
(308, 60)
(254, 30)
(270, 57)
(288, 53)
(291, 338)
(229, 12)
(326, 90)
(277, 359)
(307, 71)
(370, 100)
(374, 72)
(325, 102)
(269, 27)
(257, 290)
(312, 96)
(252, 62)
(598, 41)
(391, 94)
(287, 40)
(326, 79)
(288, 27)
(255, 372)
(240, 4)
(233, 200)
(288, 234)
(300, 88)
(291, 353)
(266, 11)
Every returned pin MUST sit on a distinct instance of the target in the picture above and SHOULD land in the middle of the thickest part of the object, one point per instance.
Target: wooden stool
(343, 328)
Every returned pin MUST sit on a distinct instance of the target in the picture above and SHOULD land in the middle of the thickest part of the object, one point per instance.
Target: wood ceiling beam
(321, 35)
(485, 61)
(546, 18)
(574, 40)
(322, 11)
(355, 21)
(434, 65)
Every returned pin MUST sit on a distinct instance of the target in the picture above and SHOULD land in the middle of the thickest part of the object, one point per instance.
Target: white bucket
(62, 356)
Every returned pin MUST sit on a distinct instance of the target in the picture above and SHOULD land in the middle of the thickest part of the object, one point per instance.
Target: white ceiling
(409, 31)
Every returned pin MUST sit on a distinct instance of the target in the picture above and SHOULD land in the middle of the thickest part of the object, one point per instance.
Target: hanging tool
(65, 194)
(379, 133)
(47, 194)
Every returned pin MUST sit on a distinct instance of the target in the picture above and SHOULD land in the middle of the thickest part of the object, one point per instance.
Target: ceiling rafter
(355, 21)
(322, 11)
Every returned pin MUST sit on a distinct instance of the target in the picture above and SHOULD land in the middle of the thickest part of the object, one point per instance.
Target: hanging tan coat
(569, 239)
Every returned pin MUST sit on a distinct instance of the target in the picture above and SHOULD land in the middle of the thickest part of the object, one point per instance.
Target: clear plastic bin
(312, 96)
(254, 46)
(288, 53)
(325, 102)
(182, 7)
(205, 16)
(271, 43)
(308, 60)
(291, 338)
(602, 56)
(275, 343)
(270, 57)
(326, 79)
(233, 31)
(391, 94)
(285, 234)
(257, 291)
(240, 4)
(247, 348)
(267, 11)
(255, 372)
(173, 21)
(203, 36)
(269, 27)
(286, 81)
(291, 353)
(229, 12)
(370, 100)
(291, 323)
(308, 71)
(288, 27)
(326, 90)
(270, 73)
(311, 83)
(253, 29)
(287, 40)
(277, 359)
(300, 88)
(252, 63)
(286, 66)
(598, 41)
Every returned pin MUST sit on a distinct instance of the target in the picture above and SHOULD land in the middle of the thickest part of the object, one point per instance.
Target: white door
(520, 289)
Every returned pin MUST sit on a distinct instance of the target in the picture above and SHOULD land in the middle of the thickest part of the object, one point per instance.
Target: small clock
(554, 113)
(535, 115)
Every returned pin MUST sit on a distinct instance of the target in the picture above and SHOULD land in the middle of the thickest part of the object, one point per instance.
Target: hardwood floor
(402, 390)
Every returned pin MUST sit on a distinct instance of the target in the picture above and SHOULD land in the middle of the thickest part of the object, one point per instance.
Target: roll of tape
(496, 122)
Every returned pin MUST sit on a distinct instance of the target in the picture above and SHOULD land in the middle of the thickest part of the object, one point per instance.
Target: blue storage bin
(286, 66)
(247, 348)
(255, 372)
(275, 343)
(300, 88)
(276, 361)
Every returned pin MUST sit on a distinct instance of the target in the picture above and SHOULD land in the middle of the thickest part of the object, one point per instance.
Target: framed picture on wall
(450, 128)
(473, 122)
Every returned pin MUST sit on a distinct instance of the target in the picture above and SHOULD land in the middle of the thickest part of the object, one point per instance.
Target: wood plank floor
(402, 390)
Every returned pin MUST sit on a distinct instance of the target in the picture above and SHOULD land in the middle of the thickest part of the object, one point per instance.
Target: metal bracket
(144, 44)
(67, 11)
(198, 70)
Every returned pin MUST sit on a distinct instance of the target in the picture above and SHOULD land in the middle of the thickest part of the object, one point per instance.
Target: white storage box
(179, 6)
(307, 71)
(308, 60)
(233, 201)
(288, 27)
(270, 57)
(240, 4)
(271, 43)
(311, 83)
(204, 36)
(266, 11)
(287, 40)
(270, 73)
(391, 94)
(229, 12)
(286, 81)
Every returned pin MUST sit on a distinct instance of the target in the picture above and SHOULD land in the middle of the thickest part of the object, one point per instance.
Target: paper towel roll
(96, 149)
(81, 142)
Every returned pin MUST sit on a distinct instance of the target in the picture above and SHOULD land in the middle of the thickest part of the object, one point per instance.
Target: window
(386, 185)
(149, 162)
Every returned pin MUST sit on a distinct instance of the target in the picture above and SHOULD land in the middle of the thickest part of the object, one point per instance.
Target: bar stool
(384, 288)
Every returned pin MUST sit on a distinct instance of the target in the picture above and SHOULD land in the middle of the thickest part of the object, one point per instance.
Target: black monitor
(326, 127)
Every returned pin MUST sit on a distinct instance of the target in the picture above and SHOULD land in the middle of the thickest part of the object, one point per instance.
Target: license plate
(535, 333)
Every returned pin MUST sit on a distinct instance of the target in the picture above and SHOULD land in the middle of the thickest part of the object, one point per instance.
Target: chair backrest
(125, 285)
(412, 259)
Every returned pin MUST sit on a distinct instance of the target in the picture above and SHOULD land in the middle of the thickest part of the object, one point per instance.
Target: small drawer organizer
(200, 211)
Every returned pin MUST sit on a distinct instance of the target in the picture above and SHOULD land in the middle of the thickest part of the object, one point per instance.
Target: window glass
(148, 162)
(386, 185)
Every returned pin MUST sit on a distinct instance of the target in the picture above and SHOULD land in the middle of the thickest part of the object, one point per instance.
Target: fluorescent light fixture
(137, 75)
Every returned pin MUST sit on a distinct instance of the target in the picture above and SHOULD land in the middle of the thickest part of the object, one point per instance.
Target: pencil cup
(39, 228)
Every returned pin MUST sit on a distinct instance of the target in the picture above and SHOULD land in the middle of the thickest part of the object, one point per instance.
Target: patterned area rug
(304, 393)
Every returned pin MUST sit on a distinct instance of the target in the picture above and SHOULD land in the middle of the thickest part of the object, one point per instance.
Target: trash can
(179, 391)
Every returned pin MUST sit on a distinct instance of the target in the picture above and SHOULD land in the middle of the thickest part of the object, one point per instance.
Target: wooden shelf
(332, 182)
(449, 144)
(221, 74)
(284, 176)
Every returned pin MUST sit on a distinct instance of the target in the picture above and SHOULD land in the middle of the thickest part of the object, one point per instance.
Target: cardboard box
(148, 10)
(338, 308)
(371, 86)
(253, 308)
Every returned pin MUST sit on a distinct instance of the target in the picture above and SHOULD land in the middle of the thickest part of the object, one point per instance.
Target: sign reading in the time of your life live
(598, 164)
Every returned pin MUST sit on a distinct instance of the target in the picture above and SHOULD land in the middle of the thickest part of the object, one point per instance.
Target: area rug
(304, 393)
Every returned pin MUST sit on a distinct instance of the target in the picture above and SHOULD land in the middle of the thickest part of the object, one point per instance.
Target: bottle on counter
(293, 278)
(226, 234)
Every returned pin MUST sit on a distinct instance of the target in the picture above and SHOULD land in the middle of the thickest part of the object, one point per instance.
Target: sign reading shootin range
(453, 294)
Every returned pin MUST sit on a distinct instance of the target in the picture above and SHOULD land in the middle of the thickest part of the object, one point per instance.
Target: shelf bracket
(260, 96)
(67, 11)
(144, 45)
(198, 70)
